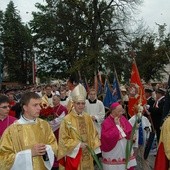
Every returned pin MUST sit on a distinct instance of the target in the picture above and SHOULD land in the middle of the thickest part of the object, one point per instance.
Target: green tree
(1, 46)
(150, 57)
(18, 48)
(83, 35)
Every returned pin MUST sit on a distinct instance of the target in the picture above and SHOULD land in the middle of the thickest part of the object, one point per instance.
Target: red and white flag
(136, 91)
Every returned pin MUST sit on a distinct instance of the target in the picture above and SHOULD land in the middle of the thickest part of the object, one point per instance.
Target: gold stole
(87, 160)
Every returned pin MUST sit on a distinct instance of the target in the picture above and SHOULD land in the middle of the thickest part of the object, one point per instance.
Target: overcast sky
(151, 11)
(156, 11)
(24, 6)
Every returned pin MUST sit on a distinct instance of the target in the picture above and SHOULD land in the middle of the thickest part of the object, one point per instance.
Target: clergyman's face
(48, 90)
(32, 109)
(79, 106)
(56, 100)
(92, 95)
(118, 111)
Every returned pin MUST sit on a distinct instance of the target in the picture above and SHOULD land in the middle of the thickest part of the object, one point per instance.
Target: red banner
(136, 91)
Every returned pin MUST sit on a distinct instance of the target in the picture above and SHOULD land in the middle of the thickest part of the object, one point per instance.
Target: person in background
(15, 109)
(125, 99)
(63, 98)
(12, 103)
(55, 90)
(150, 101)
(58, 108)
(18, 94)
(157, 110)
(124, 94)
(62, 86)
(39, 91)
(96, 109)
(77, 130)
(59, 112)
(47, 97)
(29, 143)
(166, 109)
(143, 130)
(5, 119)
(115, 132)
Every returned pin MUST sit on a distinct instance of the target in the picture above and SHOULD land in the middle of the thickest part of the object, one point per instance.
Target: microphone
(45, 157)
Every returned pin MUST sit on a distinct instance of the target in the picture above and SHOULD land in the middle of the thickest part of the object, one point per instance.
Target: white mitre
(79, 93)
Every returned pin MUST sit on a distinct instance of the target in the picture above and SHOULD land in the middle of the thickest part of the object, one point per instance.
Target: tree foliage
(17, 47)
(1, 46)
(151, 54)
(83, 35)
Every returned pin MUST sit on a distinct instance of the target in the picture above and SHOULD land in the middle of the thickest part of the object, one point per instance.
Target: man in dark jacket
(157, 110)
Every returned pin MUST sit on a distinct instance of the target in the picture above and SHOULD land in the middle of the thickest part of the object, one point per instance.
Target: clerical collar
(94, 101)
(64, 99)
(25, 120)
(78, 114)
(50, 96)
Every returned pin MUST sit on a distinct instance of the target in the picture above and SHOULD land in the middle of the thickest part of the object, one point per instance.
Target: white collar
(24, 120)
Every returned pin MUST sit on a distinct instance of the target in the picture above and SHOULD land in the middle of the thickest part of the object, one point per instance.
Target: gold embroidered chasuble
(19, 137)
(68, 138)
(165, 137)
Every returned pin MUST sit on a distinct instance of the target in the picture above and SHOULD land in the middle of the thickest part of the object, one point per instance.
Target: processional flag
(116, 94)
(108, 99)
(136, 91)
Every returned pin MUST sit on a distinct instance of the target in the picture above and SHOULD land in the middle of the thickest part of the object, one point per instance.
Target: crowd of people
(53, 127)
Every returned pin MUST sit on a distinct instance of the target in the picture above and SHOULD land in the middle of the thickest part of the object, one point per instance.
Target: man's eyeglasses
(80, 103)
(5, 107)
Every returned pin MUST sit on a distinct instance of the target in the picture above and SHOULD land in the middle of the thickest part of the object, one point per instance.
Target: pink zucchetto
(114, 105)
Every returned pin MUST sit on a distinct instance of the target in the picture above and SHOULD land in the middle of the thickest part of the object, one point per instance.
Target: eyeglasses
(5, 107)
(80, 103)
